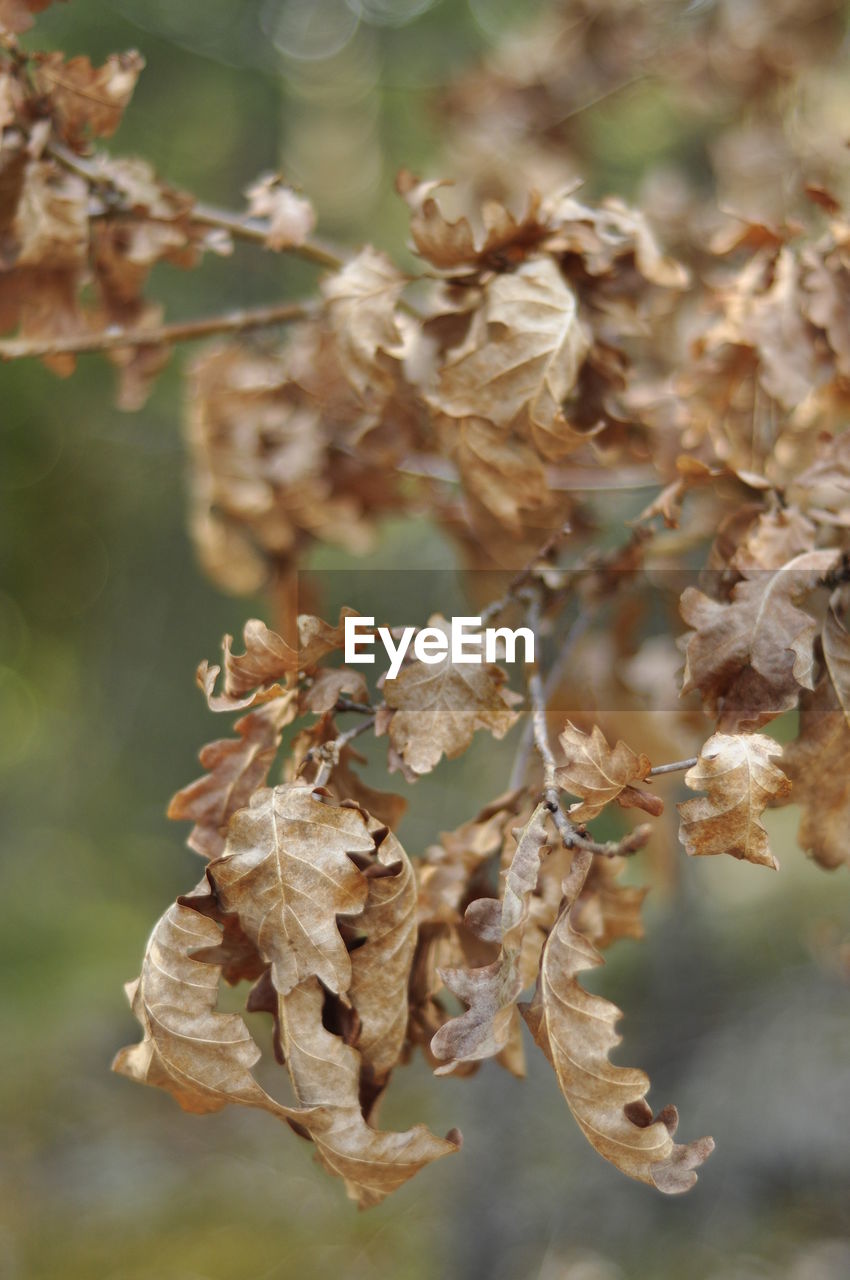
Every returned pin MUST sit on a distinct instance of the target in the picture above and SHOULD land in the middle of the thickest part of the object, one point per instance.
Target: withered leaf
(237, 767)
(816, 761)
(451, 245)
(202, 1057)
(576, 1032)
(86, 98)
(362, 302)
(523, 354)
(269, 658)
(438, 707)
(750, 657)
(287, 873)
(491, 992)
(596, 772)
(290, 217)
(381, 964)
(325, 1079)
(737, 772)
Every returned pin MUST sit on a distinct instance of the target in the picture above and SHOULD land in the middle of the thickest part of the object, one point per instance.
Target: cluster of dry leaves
(540, 359)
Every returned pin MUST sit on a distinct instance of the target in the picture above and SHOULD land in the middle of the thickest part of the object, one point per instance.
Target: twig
(203, 215)
(658, 769)
(573, 837)
(329, 752)
(114, 338)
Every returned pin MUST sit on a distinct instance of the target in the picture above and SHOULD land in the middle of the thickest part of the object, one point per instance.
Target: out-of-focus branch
(115, 338)
(237, 225)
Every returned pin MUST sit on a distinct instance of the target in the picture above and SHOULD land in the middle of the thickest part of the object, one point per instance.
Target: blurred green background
(732, 1003)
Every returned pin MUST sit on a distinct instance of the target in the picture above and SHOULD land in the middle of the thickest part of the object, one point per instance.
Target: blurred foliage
(103, 617)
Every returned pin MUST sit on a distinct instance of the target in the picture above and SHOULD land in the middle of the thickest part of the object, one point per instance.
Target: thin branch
(202, 215)
(573, 837)
(675, 767)
(115, 338)
(329, 752)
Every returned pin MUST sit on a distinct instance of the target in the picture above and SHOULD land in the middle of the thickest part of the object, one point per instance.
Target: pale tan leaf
(576, 1032)
(524, 352)
(202, 1057)
(362, 302)
(438, 707)
(325, 1076)
(750, 657)
(594, 771)
(287, 873)
(737, 772)
(491, 992)
(381, 965)
(291, 218)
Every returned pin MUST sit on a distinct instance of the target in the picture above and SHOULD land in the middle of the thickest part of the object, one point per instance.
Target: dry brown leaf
(816, 761)
(490, 993)
(596, 772)
(267, 659)
(381, 965)
(576, 1032)
(438, 707)
(750, 658)
(737, 772)
(362, 302)
(237, 767)
(523, 354)
(449, 245)
(287, 873)
(87, 99)
(291, 218)
(325, 1075)
(202, 1057)
(606, 910)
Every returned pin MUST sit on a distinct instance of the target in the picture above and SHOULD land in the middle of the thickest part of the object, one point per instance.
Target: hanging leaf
(286, 872)
(576, 1032)
(737, 772)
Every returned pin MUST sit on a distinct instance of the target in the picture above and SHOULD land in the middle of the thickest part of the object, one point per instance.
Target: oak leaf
(523, 353)
(287, 873)
(438, 707)
(237, 767)
(18, 15)
(576, 1032)
(738, 774)
(382, 959)
(201, 1056)
(326, 1081)
(491, 992)
(87, 99)
(750, 657)
(596, 772)
(816, 761)
(450, 245)
(362, 301)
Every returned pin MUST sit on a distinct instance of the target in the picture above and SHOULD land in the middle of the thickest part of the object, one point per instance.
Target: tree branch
(114, 338)
(672, 768)
(237, 225)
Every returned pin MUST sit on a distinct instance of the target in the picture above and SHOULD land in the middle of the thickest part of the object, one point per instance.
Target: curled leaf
(596, 772)
(737, 772)
(576, 1032)
(287, 873)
